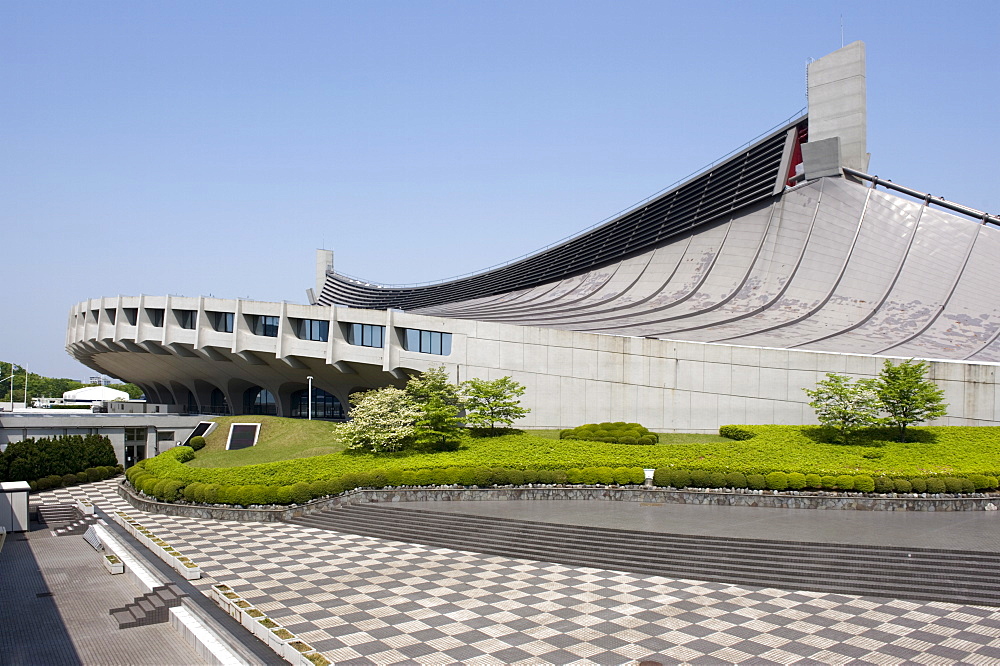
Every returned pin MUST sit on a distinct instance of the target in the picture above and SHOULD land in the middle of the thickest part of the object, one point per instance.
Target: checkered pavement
(360, 600)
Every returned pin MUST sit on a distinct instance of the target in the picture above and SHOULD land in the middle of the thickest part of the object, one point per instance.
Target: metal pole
(25, 388)
(310, 397)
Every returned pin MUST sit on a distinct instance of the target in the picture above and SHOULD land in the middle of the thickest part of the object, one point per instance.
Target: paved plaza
(369, 601)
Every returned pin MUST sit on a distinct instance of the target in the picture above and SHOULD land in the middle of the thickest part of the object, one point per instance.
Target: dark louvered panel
(743, 179)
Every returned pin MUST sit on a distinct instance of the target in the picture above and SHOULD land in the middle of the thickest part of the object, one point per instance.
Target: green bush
(979, 481)
(936, 485)
(738, 433)
(796, 481)
(992, 483)
(184, 453)
(699, 478)
(919, 485)
(814, 481)
(301, 493)
(756, 481)
(680, 478)
(864, 483)
(776, 481)
(42, 484)
(716, 480)
(614, 433)
(196, 443)
(828, 482)
(845, 482)
(69, 479)
(902, 486)
(884, 484)
(736, 480)
(953, 485)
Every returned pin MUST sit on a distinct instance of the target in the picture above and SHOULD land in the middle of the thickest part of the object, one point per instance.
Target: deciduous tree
(844, 404)
(492, 403)
(908, 396)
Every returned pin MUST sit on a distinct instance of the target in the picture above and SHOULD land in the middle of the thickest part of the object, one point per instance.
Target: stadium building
(715, 302)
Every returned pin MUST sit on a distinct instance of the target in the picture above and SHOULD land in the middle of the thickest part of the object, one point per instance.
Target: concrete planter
(85, 507)
(113, 565)
(188, 569)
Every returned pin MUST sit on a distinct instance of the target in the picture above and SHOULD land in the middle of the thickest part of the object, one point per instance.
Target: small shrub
(699, 478)
(884, 485)
(756, 481)
(845, 482)
(992, 483)
(796, 481)
(716, 480)
(680, 478)
(979, 481)
(936, 485)
(864, 483)
(661, 477)
(736, 480)
(69, 480)
(515, 477)
(184, 454)
(968, 486)
(614, 433)
(953, 485)
(196, 443)
(776, 481)
(43, 484)
(735, 432)
(829, 482)
(919, 485)
(301, 493)
(902, 486)
(814, 481)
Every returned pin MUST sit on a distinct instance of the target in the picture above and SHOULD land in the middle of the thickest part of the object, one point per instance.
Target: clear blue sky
(210, 147)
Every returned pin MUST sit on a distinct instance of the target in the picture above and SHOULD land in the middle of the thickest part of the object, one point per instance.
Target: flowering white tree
(382, 421)
(845, 405)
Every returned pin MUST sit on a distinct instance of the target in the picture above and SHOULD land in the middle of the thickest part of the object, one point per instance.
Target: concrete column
(838, 103)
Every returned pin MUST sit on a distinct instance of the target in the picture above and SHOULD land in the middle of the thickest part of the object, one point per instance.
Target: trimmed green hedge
(618, 432)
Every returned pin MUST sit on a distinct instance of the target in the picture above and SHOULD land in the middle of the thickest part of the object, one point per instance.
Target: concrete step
(57, 513)
(927, 574)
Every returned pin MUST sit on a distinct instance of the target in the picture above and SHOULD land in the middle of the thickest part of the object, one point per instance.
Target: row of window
(363, 335)
(325, 405)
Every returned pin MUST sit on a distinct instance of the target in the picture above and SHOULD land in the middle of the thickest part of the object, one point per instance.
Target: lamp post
(310, 378)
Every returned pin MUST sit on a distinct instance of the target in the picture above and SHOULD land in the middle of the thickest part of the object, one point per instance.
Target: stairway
(901, 573)
(151, 608)
(57, 513)
(78, 526)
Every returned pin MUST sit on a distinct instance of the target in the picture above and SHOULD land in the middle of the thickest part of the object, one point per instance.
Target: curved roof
(750, 176)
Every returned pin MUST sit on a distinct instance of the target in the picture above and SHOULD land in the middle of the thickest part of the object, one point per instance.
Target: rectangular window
(131, 314)
(93, 315)
(365, 335)
(111, 314)
(186, 318)
(264, 325)
(221, 321)
(427, 342)
(135, 434)
(314, 329)
(155, 316)
(164, 435)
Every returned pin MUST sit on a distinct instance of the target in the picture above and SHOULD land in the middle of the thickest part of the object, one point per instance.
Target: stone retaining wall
(751, 498)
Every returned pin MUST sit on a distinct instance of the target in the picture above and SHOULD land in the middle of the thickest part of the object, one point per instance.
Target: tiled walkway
(364, 600)
(55, 598)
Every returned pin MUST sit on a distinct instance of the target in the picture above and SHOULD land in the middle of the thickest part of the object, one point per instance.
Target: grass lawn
(279, 439)
(940, 451)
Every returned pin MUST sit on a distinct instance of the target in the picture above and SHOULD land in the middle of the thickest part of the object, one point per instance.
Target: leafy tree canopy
(908, 396)
(493, 403)
(845, 405)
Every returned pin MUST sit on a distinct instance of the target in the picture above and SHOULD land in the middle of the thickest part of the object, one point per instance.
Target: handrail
(798, 115)
(925, 197)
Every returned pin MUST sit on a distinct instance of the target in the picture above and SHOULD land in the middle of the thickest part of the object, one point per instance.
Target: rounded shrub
(283, 495)
(936, 485)
(210, 493)
(614, 433)
(680, 478)
(717, 480)
(699, 478)
(814, 481)
(192, 492)
(33, 485)
(605, 475)
(845, 482)
(184, 454)
(968, 486)
(992, 483)
(736, 480)
(919, 485)
(661, 477)
(196, 443)
(864, 483)
(953, 485)
(172, 490)
(884, 484)
(756, 481)
(318, 489)
(69, 479)
(42, 484)
(515, 477)
(796, 481)
(301, 493)
(979, 481)
(828, 482)
(902, 486)
(776, 481)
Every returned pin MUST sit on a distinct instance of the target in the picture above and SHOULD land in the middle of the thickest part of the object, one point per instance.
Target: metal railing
(928, 199)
